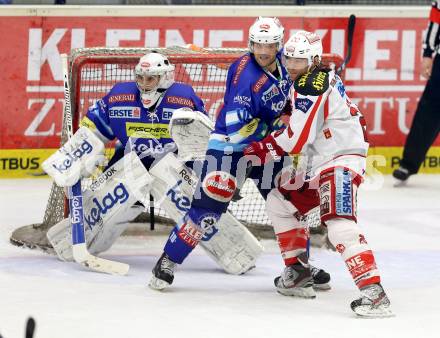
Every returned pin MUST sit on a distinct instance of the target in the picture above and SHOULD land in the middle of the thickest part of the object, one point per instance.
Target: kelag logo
(119, 195)
(180, 201)
(75, 209)
(75, 155)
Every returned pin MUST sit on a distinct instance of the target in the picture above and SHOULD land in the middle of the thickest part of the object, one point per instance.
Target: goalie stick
(79, 246)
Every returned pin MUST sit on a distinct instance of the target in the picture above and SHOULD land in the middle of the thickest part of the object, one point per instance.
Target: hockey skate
(321, 279)
(163, 273)
(372, 303)
(296, 280)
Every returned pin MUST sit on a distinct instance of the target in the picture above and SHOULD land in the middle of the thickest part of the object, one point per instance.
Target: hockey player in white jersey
(328, 133)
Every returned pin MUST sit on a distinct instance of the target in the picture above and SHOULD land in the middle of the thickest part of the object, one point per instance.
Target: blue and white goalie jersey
(121, 115)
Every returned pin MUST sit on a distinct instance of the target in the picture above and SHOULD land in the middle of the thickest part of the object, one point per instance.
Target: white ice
(401, 224)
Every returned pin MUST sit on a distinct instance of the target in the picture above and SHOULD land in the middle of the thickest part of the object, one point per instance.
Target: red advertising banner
(383, 76)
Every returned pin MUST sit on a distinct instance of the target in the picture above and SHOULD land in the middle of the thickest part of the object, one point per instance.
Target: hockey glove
(266, 150)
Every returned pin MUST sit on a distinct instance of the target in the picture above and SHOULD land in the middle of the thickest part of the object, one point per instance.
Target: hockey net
(93, 72)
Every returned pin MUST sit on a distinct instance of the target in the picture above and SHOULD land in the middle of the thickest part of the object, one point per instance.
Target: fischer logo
(102, 179)
(176, 196)
(145, 65)
(75, 209)
(119, 195)
(125, 112)
(219, 186)
(265, 26)
(73, 156)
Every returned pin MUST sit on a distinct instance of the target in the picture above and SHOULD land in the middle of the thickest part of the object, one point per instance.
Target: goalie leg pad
(108, 207)
(233, 247)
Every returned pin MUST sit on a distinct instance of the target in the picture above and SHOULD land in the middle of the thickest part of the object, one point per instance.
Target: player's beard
(266, 61)
(296, 73)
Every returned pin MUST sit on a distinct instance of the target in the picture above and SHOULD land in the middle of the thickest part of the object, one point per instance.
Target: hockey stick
(350, 33)
(79, 246)
(30, 328)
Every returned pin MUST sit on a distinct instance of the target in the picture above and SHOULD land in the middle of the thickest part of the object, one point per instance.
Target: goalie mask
(266, 31)
(303, 45)
(154, 74)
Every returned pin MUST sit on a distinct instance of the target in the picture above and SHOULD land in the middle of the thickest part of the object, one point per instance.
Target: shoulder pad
(312, 83)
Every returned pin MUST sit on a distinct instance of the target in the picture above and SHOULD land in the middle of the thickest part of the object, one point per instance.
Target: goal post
(94, 71)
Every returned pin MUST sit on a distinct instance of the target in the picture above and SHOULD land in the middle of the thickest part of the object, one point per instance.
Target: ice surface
(401, 224)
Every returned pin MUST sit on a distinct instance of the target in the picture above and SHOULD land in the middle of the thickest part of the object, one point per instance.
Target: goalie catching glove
(77, 158)
(190, 131)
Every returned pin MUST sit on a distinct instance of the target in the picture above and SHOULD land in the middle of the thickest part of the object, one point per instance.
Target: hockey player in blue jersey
(256, 93)
(136, 114)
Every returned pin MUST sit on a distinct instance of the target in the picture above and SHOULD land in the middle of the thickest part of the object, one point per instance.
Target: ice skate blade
(322, 287)
(307, 292)
(158, 284)
(368, 312)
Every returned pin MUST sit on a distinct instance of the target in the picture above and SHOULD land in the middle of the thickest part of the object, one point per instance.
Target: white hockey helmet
(304, 45)
(154, 64)
(266, 30)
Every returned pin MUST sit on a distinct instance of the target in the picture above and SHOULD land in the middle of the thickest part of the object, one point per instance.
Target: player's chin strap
(190, 131)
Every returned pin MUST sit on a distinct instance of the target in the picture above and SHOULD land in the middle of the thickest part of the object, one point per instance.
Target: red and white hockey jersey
(325, 127)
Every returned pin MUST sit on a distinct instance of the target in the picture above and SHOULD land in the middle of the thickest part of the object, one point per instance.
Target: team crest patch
(220, 186)
(303, 104)
(341, 88)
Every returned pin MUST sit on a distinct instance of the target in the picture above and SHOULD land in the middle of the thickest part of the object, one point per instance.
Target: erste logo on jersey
(270, 93)
(220, 186)
(124, 112)
(303, 104)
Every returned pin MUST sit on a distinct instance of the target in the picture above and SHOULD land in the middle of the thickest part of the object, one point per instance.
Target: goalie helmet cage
(93, 72)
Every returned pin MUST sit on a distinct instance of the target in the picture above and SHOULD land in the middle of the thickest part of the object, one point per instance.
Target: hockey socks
(182, 241)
